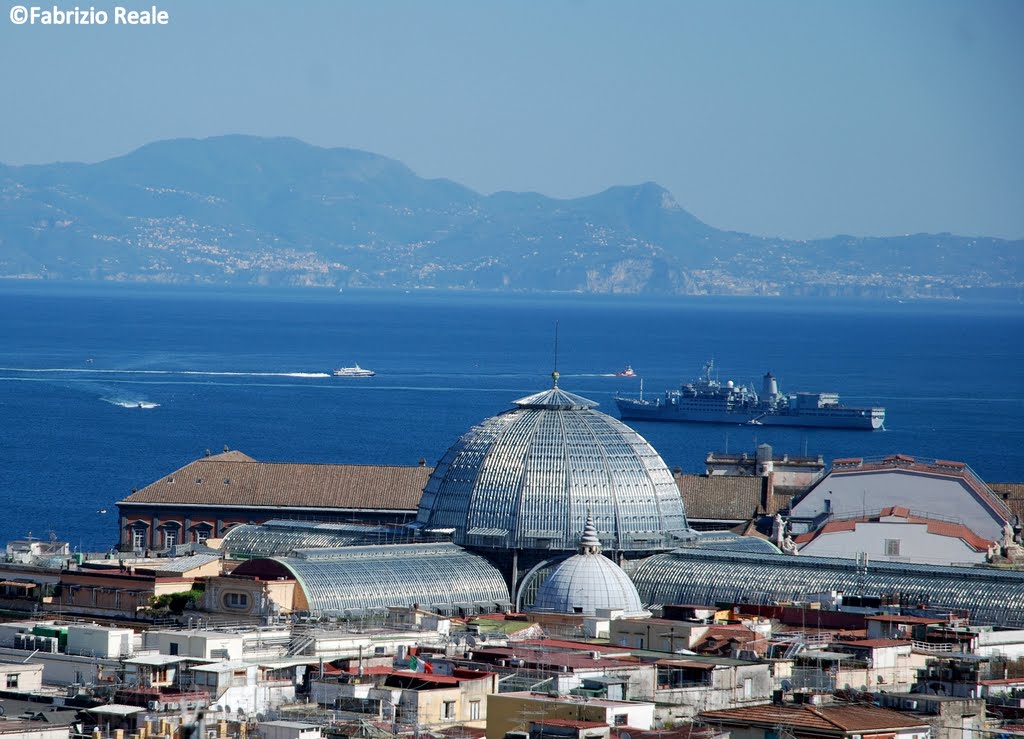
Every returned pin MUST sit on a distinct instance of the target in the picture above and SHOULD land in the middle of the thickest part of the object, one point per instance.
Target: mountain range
(241, 210)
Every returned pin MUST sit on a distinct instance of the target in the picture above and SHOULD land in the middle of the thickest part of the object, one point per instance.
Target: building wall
(1007, 643)
(514, 712)
(427, 708)
(247, 688)
(21, 677)
(913, 541)
(101, 641)
(948, 719)
(242, 596)
(655, 635)
(203, 645)
(729, 688)
(95, 592)
(66, 669)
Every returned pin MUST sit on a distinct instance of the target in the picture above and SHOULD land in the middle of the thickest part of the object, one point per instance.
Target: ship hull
(861, 419)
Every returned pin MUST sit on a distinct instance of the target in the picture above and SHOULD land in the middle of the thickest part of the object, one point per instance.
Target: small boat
(626, 371)
(355, 371)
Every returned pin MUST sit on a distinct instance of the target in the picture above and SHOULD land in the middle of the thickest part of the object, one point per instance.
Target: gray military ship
(706, 400)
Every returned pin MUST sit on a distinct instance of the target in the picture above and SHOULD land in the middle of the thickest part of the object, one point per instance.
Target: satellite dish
(786, 685)
(624, 735)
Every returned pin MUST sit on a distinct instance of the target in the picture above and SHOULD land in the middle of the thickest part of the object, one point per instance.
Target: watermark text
(119, 15)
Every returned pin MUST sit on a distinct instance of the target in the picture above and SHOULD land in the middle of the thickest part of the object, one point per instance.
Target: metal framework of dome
(587, 582)
(701, 576)
(281, 537)
(353, 580)
(732, 542)
(526, 478)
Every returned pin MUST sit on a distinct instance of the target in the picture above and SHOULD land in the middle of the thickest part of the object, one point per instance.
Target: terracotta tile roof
(685, 731)
(722, 497)
(578, 646)
(829, 718)
(716, 640)
(1011, 493)
(236, 480)
(938, 528)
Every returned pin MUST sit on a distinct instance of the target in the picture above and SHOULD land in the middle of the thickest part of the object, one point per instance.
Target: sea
(107, 388)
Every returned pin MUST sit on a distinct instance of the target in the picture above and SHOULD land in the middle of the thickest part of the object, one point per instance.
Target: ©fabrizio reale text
(34, 15)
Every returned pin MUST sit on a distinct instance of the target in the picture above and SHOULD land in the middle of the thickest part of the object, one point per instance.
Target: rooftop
(934, 526)
(830, 718)
(236, 480)
(724, 497)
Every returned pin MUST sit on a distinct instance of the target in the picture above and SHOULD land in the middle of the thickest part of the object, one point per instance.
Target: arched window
(172, 535)
(137, 536)
(201, 532)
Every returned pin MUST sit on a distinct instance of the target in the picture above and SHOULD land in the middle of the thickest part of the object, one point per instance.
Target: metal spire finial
(589, 543)
(554, 373)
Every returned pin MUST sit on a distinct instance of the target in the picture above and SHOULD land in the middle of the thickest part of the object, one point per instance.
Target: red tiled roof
(722, 497)
(543, 659)
(684, 731)
(834, 718)
(938, 528)
(235, 480)
(1011, 493)
(567, 645)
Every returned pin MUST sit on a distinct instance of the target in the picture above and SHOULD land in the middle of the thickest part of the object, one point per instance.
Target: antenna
(554, 373)
(555, 368)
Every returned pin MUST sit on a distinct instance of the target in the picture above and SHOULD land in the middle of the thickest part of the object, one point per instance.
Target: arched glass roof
(732, 542)
(526, 479)
(700, 576)
(352, 580)
(281, 537)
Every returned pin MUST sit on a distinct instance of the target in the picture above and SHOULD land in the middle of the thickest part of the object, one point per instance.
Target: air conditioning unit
(910, 705)
(153, 706)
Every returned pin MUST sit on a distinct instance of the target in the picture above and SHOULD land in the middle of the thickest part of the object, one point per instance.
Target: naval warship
(706, 400)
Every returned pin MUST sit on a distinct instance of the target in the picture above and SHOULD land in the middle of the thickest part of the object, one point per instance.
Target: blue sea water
(103, 389)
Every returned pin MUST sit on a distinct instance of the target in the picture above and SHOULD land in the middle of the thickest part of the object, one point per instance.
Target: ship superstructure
(707, 400)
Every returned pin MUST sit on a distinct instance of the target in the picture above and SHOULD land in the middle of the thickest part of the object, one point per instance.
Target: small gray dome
(526, 478)
(588, 581)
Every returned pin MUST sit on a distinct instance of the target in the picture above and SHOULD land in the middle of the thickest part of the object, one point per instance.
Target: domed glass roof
(588, 581)
(526, 478)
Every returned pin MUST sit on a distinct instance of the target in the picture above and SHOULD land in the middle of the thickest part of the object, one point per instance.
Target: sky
(792, 118)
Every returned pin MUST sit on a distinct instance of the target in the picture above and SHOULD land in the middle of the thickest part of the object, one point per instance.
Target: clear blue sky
(793, 118)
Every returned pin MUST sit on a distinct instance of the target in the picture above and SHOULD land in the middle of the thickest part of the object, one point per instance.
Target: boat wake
(144, 404)
(80, 371)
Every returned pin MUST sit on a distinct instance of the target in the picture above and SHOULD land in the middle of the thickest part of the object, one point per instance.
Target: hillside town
(550, 577)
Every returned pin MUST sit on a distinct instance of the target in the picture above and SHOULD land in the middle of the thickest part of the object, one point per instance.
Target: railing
(924, 646)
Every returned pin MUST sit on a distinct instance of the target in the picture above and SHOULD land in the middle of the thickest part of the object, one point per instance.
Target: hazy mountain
(246, 210)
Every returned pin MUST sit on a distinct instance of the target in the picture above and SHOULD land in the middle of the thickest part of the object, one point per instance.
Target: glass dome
(526, 479)
(589, 581)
